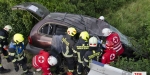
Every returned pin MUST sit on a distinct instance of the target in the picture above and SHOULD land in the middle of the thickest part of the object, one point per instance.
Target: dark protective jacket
(3, 38)
(16, 51)
(80, 49)
(92, 54)
(67, 43)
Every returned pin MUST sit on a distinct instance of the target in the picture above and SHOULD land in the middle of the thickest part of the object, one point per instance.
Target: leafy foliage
(131, 17)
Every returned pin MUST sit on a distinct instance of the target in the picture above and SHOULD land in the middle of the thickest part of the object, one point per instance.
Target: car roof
(81, 22)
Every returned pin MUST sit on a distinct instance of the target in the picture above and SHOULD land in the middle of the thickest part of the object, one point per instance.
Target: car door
(48, 30)
(38, 11)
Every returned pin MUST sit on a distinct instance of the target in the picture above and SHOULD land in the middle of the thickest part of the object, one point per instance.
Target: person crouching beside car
(43, 61)
(115, 39)
(110, 54)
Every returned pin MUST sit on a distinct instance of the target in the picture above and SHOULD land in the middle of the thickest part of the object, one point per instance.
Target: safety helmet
(101, 18)
(109, 45)
(71, 31)
(84, 35)
(8, 28)
(93, 42)
(18, 38)
(52, 60)
(106, 31)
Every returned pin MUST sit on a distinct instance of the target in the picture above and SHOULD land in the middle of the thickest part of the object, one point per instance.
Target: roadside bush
(131, 65)
(131, 17)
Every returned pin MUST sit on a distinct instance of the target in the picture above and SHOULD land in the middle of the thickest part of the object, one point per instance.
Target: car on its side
(55, 24)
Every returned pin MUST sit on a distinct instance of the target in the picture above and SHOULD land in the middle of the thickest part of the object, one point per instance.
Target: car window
(46, 29)
(59, 29)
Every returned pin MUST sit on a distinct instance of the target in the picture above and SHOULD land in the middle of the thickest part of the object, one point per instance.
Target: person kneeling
(43, 61)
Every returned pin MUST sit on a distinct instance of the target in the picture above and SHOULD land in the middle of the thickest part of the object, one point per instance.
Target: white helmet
(8, 28)
(101, 18)
(93, 42)
(106, 31)
(52, 60)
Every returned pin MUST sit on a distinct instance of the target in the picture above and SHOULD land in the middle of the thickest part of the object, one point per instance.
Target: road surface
(11, 66)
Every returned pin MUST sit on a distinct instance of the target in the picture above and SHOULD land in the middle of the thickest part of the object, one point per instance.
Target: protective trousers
(80, 68)
(5, 53)
(70, 63)
(22, 63)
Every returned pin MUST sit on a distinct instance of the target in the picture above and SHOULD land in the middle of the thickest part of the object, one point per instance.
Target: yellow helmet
(84, 35)
(18, 38)
(71, 31)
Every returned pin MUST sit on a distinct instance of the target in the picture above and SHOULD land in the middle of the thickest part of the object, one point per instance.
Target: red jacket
(108, 56)
(114, 37)
(40, 61)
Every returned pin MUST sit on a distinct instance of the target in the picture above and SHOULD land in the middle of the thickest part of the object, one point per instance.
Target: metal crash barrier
(97, 68)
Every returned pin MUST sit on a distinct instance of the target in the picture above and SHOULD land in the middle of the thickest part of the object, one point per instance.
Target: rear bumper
(32, 49)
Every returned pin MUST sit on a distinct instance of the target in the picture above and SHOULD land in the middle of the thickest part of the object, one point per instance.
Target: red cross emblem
(115, 39)
(41, 59)
(112, 56)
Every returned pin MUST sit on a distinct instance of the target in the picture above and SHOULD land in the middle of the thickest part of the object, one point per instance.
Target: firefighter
(93, 53)
(68, 42)
(4, 33)
(43, 61)
(101, 18)
(17, 54)
(110, 54)
(114, 38)
(80, 48)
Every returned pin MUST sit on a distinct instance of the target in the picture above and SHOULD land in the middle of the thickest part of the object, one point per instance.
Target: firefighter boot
(28, 73)
(2, 70)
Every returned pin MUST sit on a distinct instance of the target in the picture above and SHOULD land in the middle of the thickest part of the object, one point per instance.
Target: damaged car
(52, 25)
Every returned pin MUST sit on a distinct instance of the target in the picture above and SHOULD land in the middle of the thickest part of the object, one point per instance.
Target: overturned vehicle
(47, 33)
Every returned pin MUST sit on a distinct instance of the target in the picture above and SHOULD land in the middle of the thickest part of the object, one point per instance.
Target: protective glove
(39, 69)
(5, 47)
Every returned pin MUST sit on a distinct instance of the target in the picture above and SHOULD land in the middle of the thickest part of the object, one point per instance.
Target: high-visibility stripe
(14, 60)
(78, 71)
(117, 47)
(66, 53)
(2, 37)
(34, 62)
(86, 60)
(25, 70)
(11, 54)
(74, 50)
(70, 70)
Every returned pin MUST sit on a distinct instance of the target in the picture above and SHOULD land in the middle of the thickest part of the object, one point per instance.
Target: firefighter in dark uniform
(4, 33)
(80, 49)
(17, 54)
(93, 53)
(67, 51)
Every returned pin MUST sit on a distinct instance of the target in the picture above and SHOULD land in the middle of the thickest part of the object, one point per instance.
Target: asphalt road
(13, 72)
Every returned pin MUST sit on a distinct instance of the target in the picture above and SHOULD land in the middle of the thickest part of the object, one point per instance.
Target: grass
(131, 16)
(133, 21)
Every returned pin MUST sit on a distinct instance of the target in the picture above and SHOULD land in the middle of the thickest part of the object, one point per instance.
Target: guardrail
(97, 68)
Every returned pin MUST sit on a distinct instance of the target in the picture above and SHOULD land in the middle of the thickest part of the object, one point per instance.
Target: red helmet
(109, 44)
